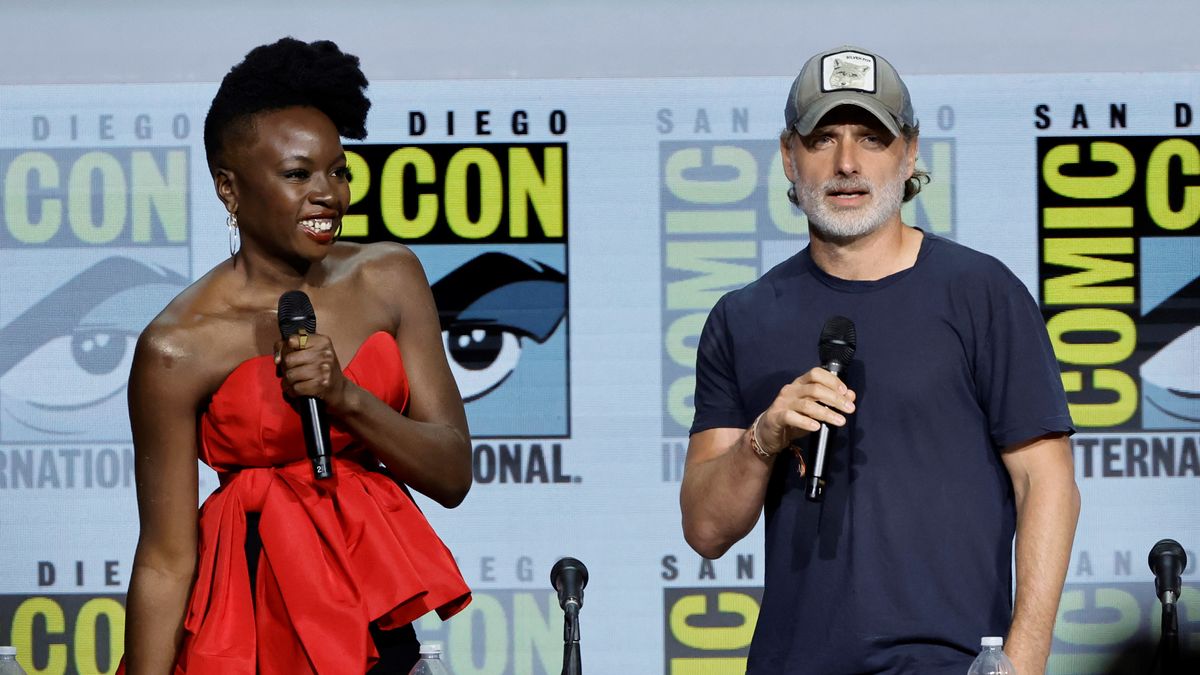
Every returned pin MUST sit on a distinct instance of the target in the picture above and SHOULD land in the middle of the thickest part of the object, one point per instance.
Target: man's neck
(890, 249)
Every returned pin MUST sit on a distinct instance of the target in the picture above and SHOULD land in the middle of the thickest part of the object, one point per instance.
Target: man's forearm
(722, 495)
(1046, 518)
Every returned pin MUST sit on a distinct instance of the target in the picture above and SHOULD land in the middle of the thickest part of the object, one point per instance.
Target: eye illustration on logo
(1169, 333)
(1171, 391)
(64, 362)
(487, 307)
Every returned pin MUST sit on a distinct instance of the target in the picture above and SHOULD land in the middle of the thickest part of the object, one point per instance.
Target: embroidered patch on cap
(848, 70)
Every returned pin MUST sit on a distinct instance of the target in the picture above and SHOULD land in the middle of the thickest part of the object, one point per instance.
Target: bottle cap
(431, 648)
(8, 651)
(992, 641)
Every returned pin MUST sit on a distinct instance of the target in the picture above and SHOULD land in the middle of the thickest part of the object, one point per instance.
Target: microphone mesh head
(296, 312)
(1167, 548)
(564, 566)
(837, 341)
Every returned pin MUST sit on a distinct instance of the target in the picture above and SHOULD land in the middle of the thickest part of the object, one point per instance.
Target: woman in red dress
(281, 572)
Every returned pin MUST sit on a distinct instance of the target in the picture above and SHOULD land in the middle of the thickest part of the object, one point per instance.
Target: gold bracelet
(754, 444)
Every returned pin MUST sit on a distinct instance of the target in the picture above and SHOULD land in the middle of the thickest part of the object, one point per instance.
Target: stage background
(634, 197)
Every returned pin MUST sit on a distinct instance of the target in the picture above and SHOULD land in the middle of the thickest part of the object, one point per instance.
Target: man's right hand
(801, 406)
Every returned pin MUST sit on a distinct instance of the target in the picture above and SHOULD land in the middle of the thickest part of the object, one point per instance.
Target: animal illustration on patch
(847, 75)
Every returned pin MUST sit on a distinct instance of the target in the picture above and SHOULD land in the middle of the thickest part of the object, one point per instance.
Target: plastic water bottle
(431, 662)
(8, 662)
(992, 659)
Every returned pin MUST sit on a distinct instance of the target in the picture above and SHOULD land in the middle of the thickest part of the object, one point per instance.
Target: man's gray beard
(852, 222)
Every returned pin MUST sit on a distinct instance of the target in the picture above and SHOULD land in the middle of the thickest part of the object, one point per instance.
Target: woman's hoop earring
(235, 237)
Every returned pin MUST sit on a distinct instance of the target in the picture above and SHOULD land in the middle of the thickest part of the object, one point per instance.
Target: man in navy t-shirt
(949, 424)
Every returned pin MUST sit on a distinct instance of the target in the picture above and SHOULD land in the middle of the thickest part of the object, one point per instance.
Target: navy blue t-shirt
(907, 561)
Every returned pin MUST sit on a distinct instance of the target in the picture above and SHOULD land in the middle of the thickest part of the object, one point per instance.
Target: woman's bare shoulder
(383, 272)
(384, 257)
(195, 337)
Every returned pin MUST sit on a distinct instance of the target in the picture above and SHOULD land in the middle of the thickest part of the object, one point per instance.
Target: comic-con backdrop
(576, 233)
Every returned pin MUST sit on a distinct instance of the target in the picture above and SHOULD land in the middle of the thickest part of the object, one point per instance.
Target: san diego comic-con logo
(489, 224)
(95, 243)
(1118, 278)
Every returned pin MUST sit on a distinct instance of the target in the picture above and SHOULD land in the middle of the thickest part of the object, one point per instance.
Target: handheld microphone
(1168, 561)
(836, 349)
(569, 577)
(296, 317)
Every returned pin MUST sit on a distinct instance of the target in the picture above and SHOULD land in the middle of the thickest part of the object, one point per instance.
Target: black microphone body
(836, 349)
(569, 577)
(1168, 561)
(296, 317)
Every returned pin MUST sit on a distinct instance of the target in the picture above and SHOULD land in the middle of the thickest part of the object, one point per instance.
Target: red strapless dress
(336, 554)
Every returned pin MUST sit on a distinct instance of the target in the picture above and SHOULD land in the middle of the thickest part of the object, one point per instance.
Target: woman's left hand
(309, 367)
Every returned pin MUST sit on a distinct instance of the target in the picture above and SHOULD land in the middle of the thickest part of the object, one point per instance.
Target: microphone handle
(815, 491)
(815, 487)
(316, 436)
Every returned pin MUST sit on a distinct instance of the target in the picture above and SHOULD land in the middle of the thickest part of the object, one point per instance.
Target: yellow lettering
(491, 189)
(1125, 606)
(1074, 663)
(391, 197)
(23, 638)
(545, 191)
(164, 195)
(1082, 288)
(681, 338)
(712, 222)
(535, 631)
(679, 404)
(85, 635)
(1090, 217)
(734, 189)
(787, 217)
(1090, 187)
(716, 638)
(360, 185)
(114, 189)
(1092, 320)
(485, 610)
(1158, 187)
(19, 186)
(934, 200)
(724, 665)
(714, 276)
(1102, 414)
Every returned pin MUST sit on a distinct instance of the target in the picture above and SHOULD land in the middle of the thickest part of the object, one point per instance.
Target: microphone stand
(571, 661)
(1168, 642)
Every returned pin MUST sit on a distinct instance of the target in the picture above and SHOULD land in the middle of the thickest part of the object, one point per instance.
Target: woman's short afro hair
(282, 75)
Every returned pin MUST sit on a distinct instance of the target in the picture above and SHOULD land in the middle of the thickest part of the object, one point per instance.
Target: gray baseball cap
(848, 76)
